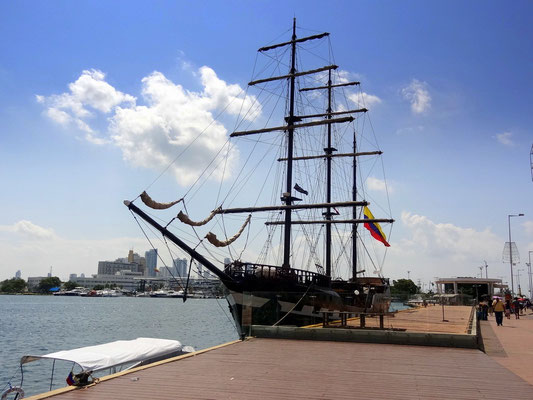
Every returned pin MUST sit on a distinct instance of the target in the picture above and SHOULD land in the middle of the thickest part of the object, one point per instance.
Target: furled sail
(214, 241)
(186, 220)
(154, 204)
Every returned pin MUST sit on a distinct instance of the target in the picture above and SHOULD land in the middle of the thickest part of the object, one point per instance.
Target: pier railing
(240, 270)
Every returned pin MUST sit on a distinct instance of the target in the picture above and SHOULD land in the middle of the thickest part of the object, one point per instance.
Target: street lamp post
(529, 275)
(511, 248)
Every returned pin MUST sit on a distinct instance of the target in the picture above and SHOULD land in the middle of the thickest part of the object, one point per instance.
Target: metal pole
(530, 279)
(510, 254)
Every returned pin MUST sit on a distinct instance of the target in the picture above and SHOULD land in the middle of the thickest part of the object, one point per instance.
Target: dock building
(470, 286)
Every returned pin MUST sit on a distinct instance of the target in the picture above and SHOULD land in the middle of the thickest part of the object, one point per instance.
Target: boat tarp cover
(103, 356)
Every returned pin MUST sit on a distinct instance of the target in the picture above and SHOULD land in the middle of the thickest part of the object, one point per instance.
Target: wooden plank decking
(426, 319)
(293, 369)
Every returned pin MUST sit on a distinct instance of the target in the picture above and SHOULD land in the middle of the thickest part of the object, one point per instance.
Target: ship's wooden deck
(293, 369)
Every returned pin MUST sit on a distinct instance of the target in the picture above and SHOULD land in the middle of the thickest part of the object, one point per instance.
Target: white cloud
(505, 138)
(528, 226)
(28, 230)
(172, 121)
(59, 116)
(92, 90)
(450, 241)
(418, 95)
(362, 99)
(377, 185)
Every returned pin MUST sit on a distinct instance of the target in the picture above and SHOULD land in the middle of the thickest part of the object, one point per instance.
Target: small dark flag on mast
(300, 190)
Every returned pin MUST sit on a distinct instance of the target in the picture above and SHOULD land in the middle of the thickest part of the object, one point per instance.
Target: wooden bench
(344, 315)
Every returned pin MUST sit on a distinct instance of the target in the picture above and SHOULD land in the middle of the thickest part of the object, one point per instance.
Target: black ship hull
(270, 295)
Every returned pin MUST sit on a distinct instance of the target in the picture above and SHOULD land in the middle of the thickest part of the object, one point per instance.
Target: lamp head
(520, 215)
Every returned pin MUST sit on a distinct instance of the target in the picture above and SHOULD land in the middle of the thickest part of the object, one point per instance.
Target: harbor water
(39, 325)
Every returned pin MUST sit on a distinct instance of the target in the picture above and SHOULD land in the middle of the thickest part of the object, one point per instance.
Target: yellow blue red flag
(374, 228)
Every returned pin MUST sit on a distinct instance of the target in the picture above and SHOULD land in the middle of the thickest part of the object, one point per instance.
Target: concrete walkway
(511, 345)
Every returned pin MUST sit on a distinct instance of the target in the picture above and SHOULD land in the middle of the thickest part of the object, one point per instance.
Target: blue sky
(454, 118)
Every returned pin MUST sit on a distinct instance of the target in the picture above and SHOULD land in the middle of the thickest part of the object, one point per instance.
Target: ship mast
(354, 212)
(328, 150)
(290, 143)
(292, 123)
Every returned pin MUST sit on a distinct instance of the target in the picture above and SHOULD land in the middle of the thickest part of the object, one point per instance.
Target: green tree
(69, 285)
(404, 286)
(14, 285)
(48, 283)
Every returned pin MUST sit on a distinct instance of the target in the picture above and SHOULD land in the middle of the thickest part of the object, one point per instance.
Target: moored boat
(87, 363)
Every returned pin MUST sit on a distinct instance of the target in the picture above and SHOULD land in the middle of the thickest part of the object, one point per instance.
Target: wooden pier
(305, 369)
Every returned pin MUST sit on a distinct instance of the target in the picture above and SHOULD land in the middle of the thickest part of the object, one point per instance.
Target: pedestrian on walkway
(484, 310)
(516, 308)
(498, 308)
(508, 309)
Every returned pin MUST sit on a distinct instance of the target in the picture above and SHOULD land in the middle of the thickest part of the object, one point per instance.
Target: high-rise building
(18, 274)
(151, 262)
(181, 267)
(112, 267)
(137, 259)
(72, 277)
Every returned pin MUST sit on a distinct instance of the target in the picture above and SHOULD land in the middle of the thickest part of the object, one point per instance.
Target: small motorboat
(110, 357)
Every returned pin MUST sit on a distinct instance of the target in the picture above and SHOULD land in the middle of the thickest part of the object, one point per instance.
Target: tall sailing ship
(319, 238)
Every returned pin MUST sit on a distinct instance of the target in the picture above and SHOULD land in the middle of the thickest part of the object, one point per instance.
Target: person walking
(484, 310)
(508, 309)
(498, 308)
(516, 308)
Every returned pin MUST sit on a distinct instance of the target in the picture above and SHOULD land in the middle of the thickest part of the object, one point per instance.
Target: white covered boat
(111, 357)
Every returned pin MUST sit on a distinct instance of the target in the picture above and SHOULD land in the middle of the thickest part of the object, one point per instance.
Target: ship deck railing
(240, 270)
(345, 315)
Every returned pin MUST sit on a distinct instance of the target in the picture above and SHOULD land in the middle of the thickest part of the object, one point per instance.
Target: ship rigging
(283, 292)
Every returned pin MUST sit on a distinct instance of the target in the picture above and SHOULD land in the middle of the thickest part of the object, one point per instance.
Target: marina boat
(178, 294)
(86, 363)
(322, 261)
(109, 293)
(77, 291)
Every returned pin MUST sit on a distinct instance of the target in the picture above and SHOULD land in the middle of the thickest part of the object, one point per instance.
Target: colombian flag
(374, 228)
